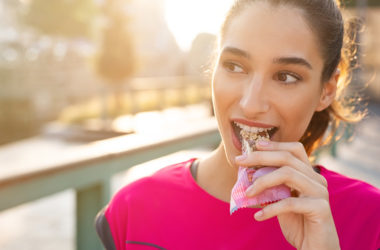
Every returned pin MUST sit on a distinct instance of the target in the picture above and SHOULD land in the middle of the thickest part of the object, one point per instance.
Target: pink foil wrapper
(246, 176)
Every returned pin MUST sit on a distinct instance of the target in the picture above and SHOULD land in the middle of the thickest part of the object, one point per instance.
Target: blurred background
(88, 62)
(73, 72)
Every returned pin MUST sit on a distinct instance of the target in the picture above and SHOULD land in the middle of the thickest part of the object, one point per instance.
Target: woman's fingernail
(250, 191)
(241, 157)
(263, 143)
(259, 214)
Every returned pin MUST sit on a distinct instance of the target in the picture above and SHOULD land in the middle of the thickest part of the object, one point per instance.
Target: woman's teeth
(253, 130)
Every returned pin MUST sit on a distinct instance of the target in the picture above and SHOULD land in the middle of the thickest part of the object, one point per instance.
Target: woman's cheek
(223, 93)
(228, 88)
(298, 114)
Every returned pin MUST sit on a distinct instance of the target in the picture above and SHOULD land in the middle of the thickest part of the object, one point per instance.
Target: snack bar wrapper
(247, 175)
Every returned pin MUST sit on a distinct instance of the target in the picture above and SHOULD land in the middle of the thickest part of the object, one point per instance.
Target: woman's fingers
(315, 209)
(291, 178)
(295, 148)
(310, 210)
(294, 169)
(285, 155)
(311, 215)
(269, 158)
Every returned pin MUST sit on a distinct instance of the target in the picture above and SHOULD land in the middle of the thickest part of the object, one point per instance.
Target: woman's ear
(328, 92)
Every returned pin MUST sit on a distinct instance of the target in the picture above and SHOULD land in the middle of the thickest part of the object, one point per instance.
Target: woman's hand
(306, 220)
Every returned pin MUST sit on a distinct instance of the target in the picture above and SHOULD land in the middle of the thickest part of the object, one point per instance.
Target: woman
(280, 66)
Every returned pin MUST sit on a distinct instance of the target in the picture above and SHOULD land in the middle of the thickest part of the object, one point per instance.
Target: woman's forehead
(277, 30)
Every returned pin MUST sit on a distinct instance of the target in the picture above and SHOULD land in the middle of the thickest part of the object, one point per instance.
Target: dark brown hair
(336, 44)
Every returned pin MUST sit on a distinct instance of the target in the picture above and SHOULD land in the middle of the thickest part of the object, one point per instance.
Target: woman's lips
(252, 124)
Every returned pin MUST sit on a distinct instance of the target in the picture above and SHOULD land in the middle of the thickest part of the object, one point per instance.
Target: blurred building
(366, 13)
(156, 47)
(371, 52)
(200, 58)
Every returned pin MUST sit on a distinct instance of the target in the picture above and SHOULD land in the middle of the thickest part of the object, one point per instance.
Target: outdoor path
(49, 222)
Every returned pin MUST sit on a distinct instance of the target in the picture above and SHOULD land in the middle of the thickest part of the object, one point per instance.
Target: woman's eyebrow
(280, 60)
(292, 60)
(236, 51)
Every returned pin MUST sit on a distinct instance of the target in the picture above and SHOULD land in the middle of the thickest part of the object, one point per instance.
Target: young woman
(281, 66)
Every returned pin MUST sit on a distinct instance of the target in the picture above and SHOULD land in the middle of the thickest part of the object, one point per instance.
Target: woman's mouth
(257, 133)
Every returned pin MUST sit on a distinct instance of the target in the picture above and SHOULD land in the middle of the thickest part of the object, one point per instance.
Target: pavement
(48, 223)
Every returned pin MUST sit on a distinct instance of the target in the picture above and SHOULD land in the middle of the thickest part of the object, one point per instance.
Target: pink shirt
(170, 211)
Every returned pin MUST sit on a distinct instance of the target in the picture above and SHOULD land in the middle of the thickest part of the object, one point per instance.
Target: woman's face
(268, 74)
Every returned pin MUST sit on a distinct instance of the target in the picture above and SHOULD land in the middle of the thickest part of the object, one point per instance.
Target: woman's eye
(233, 67)
(287, 77)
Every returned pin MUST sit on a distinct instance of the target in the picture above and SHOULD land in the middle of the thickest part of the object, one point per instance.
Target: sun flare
(186, 18)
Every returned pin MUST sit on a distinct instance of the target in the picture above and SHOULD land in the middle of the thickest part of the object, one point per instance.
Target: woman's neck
(216, 176)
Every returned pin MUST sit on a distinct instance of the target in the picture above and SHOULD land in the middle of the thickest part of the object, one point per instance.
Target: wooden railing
(165, 86)
(89, 172)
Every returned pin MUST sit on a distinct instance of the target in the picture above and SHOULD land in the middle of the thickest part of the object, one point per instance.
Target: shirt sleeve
(103, 230)
(116, 216)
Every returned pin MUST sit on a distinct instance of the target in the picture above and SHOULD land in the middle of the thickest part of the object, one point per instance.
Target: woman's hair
(338, 51)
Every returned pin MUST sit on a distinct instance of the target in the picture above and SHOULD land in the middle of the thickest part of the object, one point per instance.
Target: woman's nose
(254, 100)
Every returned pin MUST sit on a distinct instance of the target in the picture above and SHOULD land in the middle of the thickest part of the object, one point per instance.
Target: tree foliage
(116, 59)
(68, 18)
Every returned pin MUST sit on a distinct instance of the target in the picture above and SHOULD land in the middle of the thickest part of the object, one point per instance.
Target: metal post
(89, 201)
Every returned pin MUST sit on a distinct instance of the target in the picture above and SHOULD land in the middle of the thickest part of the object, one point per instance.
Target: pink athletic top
(170, 211)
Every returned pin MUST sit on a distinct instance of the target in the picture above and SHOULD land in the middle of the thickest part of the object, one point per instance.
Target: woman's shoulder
(341, 186)
(163, 180)
(171, 174)
(355, 206)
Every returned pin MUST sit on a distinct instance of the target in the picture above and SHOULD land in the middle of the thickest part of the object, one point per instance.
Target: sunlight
(186, 18)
